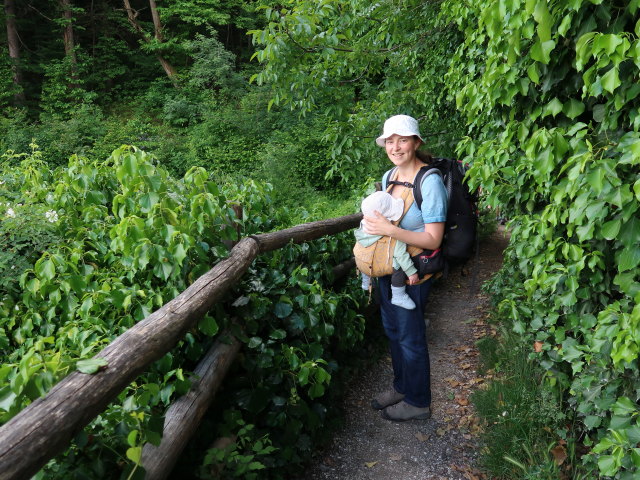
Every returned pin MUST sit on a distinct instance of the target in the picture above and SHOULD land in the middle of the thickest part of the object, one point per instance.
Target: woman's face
(401, 150)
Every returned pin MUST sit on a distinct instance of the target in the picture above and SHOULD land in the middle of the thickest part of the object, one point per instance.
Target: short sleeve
(434, 199)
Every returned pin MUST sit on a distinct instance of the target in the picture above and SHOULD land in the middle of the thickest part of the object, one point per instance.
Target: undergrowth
(529, 432)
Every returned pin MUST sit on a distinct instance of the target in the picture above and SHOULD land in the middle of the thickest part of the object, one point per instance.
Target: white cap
(383, 202)
(402, 125)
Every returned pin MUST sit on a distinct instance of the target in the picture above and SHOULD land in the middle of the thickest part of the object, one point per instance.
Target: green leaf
(134, 454)
(208, 326)
(595, 178)
(132, 438)
(283, 310)
(554, 107)
(544, 162)
(629, 258)
(91, 365)
(543, 17)
(316, 390)
(607, 42)
(610, 229)
(541, 51)
(45, 269)
(624, 406)
(573, 108)
(607, 465)
(610, 81)
(278, 334)
(303, 375)
(179, 253)
(7, 398)
(583, 49)
(148, 200)
(532, 72)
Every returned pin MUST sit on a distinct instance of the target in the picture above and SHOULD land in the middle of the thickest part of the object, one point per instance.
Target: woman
(410, 395)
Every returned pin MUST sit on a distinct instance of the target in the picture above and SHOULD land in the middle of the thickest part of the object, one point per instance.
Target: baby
(403, 266)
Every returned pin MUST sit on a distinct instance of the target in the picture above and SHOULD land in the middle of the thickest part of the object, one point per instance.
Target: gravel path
(446, 446)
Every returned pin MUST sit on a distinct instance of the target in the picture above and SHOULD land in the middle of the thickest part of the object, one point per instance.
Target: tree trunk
(132, 15)
(69, 42)
(157, 26)
(14, 49)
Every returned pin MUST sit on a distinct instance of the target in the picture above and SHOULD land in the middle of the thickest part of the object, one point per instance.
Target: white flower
(51, 215)
(11, 213)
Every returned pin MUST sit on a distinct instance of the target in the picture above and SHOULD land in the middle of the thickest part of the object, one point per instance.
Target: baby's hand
(413, 279)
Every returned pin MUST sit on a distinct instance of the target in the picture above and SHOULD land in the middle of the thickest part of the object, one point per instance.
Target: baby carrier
(376, 260)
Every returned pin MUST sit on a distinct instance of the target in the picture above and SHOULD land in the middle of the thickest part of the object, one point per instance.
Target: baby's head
(383, 202)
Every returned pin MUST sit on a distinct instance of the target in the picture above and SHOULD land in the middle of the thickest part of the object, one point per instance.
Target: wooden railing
(46, 427)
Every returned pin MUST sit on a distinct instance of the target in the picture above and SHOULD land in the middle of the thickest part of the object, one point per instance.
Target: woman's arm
(430, 239)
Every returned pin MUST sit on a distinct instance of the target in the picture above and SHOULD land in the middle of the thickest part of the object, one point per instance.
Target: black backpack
(461, 226)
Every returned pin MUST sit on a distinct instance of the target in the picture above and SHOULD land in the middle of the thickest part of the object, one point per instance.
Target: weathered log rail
(46, 427)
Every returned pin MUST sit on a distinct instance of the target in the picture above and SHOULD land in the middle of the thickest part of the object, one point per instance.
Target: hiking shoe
(402, 411)
(386, 398)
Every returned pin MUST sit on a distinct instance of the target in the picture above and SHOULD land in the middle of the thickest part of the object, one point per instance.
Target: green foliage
(550, 94)
(63, 91)
(359, 63)
(121, 237)
(240, 458)
(213, 66)
(524, 418)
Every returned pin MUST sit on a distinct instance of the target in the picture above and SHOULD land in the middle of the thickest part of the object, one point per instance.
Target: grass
(528, 432)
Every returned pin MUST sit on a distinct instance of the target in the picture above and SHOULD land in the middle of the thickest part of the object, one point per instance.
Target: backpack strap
(416, 186)
(423, 173)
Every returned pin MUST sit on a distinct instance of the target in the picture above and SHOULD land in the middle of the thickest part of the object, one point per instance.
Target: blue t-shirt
(434, 204)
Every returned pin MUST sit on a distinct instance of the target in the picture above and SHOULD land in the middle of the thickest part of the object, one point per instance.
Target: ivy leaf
(583, 49)
(554, 107)
(543, 17)
(629, 258)
(607, 42)
(610, 81)
(595, 178)
(283, 310)
(610, 229)
(544, 161)
(541, 51)
(573, 108)
(208, 326)
(91, 365)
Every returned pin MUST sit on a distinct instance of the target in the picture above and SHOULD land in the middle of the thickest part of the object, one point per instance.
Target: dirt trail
(446, 446)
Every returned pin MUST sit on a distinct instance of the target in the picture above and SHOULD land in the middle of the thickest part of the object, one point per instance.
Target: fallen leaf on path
(422, 437)
(370, 464)
(462, 401)
(395, 457)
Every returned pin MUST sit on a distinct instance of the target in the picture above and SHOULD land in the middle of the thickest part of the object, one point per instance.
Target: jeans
(406, 331)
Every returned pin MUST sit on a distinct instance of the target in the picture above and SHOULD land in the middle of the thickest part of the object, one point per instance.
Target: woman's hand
(378, 225)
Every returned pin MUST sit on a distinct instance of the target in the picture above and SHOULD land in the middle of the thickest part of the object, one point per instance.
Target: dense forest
(129, 128)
